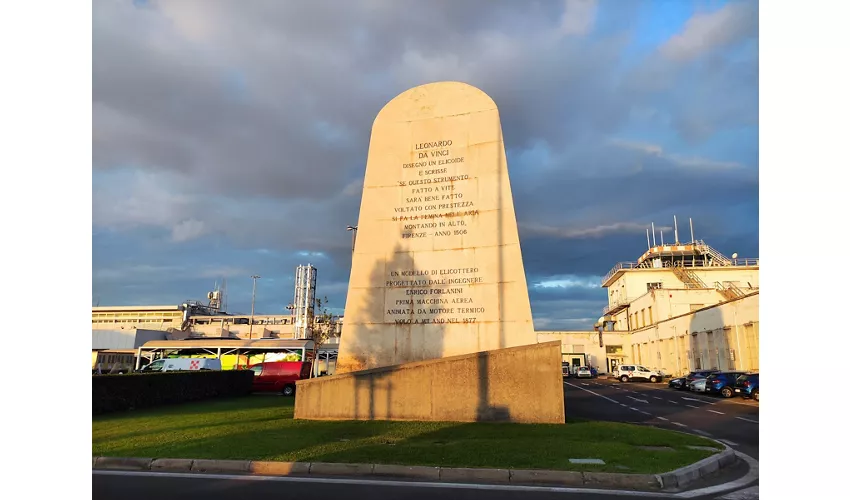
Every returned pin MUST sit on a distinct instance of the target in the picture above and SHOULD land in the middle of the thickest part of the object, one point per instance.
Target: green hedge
(145, 390)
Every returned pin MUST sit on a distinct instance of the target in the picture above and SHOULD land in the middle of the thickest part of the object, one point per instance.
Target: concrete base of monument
(517, 384)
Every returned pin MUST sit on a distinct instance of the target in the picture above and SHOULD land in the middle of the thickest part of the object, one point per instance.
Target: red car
(279, 376)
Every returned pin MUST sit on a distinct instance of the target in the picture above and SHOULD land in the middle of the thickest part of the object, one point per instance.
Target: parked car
(183, 364)
(583, 372)
(678, 383)
(279, 376)
(696, 375)
(626, 373)
(697, 385)
(722, 383)
(747, 386)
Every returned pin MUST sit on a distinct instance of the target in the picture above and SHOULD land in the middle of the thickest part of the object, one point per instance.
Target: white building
(679, 307)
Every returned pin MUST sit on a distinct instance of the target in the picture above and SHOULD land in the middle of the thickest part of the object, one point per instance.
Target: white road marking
(692, 399)
(584, 383)
(717, 412)
(656, 397)
(692, 406)
(747, 420)
(674, 402)
(677, 423)
(701, 433)
(645, 412)
(636, 399)
(730, 443)
(588, 390)
(635, 409)
(662, 418)
(621, 404)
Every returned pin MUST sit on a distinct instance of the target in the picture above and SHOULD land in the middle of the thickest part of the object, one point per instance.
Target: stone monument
(437, 291)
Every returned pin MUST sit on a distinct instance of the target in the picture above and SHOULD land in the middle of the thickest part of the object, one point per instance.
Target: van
(637, 372)
(183, 364)
(279, 376)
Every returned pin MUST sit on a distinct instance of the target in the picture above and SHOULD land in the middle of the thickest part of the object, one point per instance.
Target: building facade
(678, 308)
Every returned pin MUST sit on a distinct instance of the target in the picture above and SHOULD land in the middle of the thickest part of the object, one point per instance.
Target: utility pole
(353, 230)
(253, 296)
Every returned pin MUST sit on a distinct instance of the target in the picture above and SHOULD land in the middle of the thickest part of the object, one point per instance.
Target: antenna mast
(653, 233)
(662, 237)
(692, 229)
(648, 246)
(675, 230)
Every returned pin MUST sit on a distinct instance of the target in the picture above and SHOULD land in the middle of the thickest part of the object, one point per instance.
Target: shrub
(145, 390)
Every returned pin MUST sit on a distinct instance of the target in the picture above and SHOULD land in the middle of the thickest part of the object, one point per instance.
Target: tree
(323, 326)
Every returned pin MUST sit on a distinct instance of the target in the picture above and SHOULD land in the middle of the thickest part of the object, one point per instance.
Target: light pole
(253, 296)
(353, 230)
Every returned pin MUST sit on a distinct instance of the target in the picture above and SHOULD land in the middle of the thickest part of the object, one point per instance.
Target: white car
(583, 372)
(626, 373)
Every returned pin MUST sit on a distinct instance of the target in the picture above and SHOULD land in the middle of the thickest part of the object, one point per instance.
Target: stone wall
(516, 384)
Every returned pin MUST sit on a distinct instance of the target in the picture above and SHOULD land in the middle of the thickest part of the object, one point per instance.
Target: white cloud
(579, 17)
(693, 162)
(587, 232)
(568, 281)
(187, 230)
(706, 31)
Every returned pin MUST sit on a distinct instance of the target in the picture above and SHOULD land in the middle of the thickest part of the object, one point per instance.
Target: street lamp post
(253, 296)
(353, 230)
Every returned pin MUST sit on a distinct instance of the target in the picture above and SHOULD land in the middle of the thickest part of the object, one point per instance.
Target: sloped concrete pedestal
(517, 384)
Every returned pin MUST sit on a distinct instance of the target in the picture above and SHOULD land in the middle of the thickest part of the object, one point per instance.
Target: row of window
(639, 318)
(115, 358)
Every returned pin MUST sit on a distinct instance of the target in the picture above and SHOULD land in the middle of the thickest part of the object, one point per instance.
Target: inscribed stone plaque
(437, 269)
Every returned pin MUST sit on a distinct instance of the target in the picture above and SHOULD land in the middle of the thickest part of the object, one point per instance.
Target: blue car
(722, 383)
(748, 386)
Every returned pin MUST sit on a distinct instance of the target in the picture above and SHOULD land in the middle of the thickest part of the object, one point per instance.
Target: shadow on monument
(413, 342)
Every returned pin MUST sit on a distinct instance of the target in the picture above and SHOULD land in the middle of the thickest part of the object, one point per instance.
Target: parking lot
(733, 421)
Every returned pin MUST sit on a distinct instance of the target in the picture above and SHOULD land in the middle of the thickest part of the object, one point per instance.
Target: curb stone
(452, 474)
(559, 477)
(411, 471)
(280, 468)
(680, 478)
(123, 463)
(172, 464)
(675, 480)
(340, 469)
(221, 466)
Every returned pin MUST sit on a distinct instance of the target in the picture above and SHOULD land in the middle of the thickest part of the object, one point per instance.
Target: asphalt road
(108, 485)
(733, 421)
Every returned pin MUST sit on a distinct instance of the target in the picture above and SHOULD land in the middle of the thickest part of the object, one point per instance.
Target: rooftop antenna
(692, 229)
(648, 246)
(653, 233)
(662, 237)
(675, 230)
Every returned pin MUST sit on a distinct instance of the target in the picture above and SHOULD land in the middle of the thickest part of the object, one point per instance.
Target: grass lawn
(262, 428)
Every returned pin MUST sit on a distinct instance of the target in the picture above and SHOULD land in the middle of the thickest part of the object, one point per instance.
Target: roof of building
(211, 343)
(135, 308)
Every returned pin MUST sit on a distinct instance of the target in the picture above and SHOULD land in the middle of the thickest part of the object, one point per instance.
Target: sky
(230, 138)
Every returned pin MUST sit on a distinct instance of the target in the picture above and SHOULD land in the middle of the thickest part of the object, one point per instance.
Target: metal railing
(745, 262)
(688, 277)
